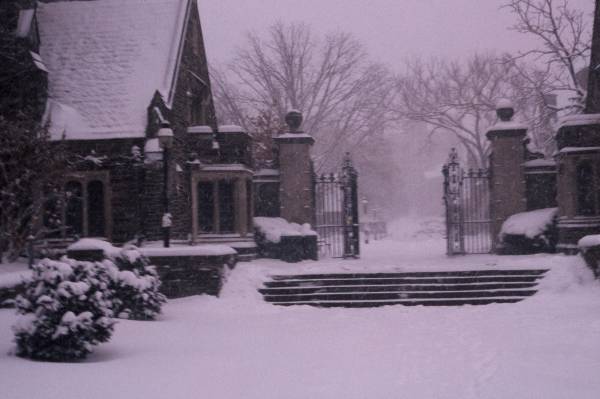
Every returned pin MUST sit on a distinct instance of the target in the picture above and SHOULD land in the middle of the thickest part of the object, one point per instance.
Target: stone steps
(451, 288)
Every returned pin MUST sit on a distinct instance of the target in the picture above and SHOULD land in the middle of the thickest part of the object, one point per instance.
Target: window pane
(96, 223)
(206, 204)
(226, 206)
(52, 215)
(74, 208)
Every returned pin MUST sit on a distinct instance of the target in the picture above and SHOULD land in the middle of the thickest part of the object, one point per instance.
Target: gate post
(452, 186)
(351, 222)
(507, 178)
(296, 190)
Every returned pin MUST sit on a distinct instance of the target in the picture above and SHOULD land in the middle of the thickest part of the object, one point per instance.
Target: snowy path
(237, 346)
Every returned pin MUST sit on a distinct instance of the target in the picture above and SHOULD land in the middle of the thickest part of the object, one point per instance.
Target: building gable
(106, 59)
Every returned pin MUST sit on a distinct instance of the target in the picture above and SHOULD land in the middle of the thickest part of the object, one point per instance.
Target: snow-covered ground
(236, 346)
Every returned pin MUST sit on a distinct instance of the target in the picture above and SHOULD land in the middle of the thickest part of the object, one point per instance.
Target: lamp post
(165, 140)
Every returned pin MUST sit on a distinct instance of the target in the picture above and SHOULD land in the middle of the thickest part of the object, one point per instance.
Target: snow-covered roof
(107, 58)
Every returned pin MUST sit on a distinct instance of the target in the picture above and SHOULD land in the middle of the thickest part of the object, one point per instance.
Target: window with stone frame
(197, 107)
(587, 199)
(216, 206)
(79, 208)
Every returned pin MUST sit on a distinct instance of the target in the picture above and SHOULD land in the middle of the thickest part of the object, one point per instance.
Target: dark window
(74, 208)
(226, 206)
(77, 210)
(206, 207)
(216, 207)
(586, 202)
(53, 214)
(95, 207)
(267, 200)
(197, 107)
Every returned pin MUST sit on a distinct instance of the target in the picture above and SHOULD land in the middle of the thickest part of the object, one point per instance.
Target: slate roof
(106, 59)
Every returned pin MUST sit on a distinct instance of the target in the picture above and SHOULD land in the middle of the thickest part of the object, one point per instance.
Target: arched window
(95, 209)
(74, 208)
(79, 208)
(586, 201)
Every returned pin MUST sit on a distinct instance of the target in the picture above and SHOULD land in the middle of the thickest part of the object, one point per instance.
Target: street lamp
(165, 140)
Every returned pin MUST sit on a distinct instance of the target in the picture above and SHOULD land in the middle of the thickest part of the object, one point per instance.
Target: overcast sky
(390, 29)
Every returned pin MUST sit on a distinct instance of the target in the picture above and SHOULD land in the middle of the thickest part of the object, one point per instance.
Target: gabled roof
(106, 59)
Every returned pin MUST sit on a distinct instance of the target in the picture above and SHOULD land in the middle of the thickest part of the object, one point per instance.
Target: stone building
(122, 76)
(521, 181)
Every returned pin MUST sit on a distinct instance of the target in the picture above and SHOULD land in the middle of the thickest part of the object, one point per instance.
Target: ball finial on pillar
(505, 110)
(294, 120)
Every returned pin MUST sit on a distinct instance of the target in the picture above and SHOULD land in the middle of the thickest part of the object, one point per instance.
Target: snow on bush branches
(136, 286)
(65, 310)
(69, 305)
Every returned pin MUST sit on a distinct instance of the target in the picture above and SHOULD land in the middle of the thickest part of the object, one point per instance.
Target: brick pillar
(295, 169)
(507, 183)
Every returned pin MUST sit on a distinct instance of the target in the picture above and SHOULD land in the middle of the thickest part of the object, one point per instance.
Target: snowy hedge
(530, 232)
(66, 309)
(136, 286)
(135, 282)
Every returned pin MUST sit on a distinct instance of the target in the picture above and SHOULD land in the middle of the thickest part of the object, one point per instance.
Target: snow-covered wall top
(106, 58)
(274, 228)
(529, 224)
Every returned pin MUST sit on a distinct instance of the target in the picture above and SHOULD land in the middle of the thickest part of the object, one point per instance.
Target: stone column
(507, 182)
(296, 187)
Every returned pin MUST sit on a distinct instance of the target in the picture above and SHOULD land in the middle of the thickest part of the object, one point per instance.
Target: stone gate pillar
(507, 181)
(296, 187)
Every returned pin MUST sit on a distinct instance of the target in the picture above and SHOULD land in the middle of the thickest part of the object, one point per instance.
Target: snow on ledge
(230, 129)
(566, 150)
(200, 129)
(510, 125)
(579, 120)
(539, 163)
(275, 228)
(589, 241)
(529, 224)
(294, 136)
(94, 244)
(195, 250)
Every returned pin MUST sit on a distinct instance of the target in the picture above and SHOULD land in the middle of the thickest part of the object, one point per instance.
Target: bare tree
(460, 98)
(342, 95)
(565, 38)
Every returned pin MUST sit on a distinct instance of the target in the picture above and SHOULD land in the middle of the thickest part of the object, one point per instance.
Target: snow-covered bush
(65, 310)
(136, 286)
(530, 232)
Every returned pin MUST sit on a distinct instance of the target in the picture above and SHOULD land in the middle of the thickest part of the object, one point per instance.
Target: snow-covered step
(394, 288)
(443, 274)
(367, 296)
(415, 288)
(374, 304)
(403, 281)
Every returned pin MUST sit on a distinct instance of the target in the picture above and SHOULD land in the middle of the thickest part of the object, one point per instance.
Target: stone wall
(193, 275)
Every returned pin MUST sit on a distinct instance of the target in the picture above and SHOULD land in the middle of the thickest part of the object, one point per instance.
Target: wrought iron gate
(336, 212)
(467, 200)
